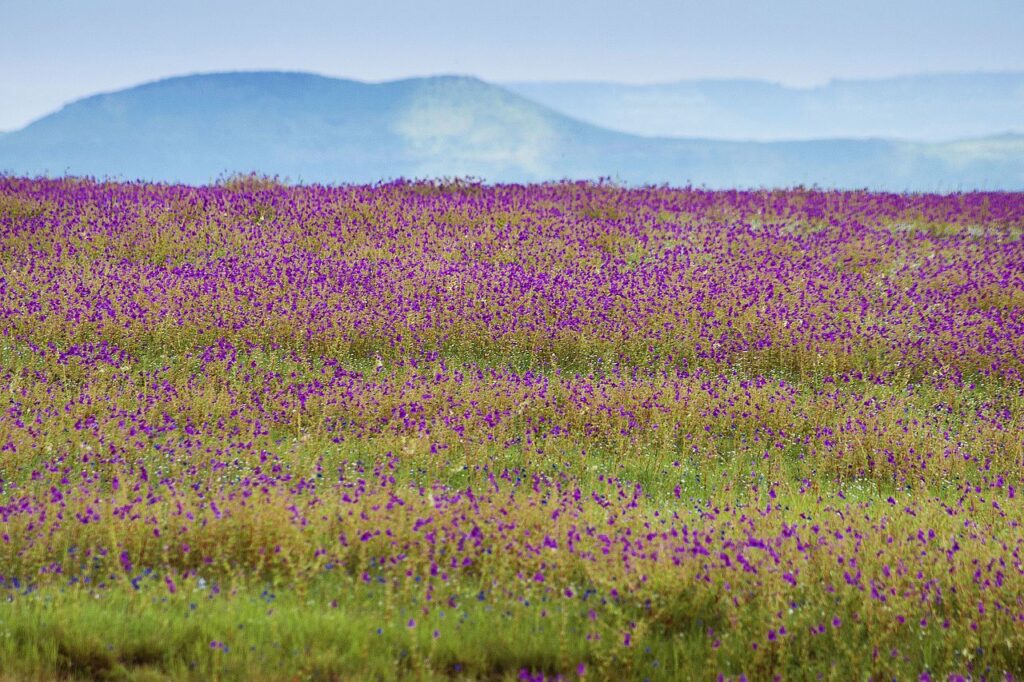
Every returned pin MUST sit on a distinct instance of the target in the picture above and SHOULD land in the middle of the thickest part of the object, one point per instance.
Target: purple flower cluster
(788, 416)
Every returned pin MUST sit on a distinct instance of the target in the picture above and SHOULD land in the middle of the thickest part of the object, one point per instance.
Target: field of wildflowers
(443, 430)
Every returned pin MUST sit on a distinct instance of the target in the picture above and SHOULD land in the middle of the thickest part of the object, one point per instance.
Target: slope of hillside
(315, 129)
(193, 128)
(925, 108)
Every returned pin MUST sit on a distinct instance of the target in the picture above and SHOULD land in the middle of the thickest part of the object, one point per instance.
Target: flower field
(444, 430)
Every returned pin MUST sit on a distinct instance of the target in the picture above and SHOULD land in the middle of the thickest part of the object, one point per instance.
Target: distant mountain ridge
(936, 107)
(297, 124)
(319, 129)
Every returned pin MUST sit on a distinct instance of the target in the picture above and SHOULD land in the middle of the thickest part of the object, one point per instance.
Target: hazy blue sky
(53, 52)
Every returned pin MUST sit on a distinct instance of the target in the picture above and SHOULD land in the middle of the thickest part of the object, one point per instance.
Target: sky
(55, 52)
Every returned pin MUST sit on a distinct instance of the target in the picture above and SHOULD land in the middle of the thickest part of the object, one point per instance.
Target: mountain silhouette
(931, 107)
(311, 128)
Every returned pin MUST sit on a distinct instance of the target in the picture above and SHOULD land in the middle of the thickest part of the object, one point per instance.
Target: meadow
(452, 431)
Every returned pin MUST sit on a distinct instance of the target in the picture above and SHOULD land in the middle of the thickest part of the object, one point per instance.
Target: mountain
(925, 108)
(316, 129)
(301, 125)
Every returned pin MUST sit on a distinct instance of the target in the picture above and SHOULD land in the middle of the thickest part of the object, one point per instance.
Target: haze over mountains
(316, 129)
(934, 108)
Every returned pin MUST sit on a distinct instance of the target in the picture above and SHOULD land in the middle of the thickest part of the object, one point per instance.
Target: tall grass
(456, 431)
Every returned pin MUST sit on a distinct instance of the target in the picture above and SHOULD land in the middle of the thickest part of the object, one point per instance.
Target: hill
(318, 129)
(925, 107)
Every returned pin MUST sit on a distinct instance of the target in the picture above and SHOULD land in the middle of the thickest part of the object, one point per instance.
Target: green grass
(693, 514)
(339, 628)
